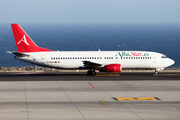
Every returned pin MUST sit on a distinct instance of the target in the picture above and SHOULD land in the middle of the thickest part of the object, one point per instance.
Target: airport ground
(77, 96)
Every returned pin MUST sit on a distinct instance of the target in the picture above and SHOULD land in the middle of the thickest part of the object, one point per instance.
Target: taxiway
(138, 96)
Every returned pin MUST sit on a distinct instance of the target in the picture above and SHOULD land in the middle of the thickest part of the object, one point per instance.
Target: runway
(54, 96)
(81, 76)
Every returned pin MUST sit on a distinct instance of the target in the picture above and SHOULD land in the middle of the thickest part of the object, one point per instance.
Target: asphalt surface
(77, 96)
(83, 76)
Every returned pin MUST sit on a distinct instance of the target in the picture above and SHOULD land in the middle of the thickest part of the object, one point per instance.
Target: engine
(111, 68)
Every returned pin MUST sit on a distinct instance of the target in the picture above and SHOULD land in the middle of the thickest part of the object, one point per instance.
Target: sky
(89, 11)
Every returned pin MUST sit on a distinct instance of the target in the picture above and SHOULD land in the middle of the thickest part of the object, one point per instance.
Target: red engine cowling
(111, 68)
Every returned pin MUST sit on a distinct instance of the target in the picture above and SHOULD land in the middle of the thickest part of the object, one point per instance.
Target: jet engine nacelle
(111, 68)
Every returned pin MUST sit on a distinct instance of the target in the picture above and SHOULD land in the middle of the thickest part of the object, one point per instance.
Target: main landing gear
(155, 72)
(91, 72)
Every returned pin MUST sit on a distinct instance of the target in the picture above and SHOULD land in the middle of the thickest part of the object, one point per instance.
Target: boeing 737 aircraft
(104, 61)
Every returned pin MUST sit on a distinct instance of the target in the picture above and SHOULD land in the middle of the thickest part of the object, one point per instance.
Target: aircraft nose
(171, 62)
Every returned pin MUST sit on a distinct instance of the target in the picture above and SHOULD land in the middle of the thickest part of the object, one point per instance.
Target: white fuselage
(75, 59)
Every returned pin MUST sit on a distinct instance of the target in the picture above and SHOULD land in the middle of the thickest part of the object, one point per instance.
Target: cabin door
(154, 59)
(42, 59)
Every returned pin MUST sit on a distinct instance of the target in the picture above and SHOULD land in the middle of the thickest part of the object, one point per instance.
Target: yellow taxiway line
(165, 74)
(137, 98)
(103, 103)
(107, 74)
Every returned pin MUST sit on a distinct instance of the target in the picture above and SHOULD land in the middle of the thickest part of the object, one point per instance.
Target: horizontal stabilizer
(20, 54)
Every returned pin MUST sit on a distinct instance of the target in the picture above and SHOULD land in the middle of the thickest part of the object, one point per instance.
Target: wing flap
(91, 65)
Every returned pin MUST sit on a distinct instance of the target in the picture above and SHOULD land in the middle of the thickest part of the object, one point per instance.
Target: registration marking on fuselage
(136, 98)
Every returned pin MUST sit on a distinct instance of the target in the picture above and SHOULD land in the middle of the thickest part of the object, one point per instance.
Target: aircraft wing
(91, 65)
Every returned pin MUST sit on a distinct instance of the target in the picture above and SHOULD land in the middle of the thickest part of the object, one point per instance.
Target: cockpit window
(163, 56)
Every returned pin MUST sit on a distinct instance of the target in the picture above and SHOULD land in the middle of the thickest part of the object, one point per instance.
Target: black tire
(89, 72)
(93, 72)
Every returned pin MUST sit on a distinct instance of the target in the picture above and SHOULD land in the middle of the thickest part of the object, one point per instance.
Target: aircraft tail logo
(23, 40)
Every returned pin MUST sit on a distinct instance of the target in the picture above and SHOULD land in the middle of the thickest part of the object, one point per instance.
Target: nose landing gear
(155, 71)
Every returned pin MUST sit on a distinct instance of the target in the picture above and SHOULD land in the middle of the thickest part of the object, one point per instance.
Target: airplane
(104, 61)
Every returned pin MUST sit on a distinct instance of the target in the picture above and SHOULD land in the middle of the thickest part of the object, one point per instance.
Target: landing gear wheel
(91, 72)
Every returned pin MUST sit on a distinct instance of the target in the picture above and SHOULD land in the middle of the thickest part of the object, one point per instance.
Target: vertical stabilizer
(23, 42)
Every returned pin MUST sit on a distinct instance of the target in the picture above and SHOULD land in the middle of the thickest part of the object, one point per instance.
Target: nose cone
(170, 62)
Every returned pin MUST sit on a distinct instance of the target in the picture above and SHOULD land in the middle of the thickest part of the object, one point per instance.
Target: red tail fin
(23, 42)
